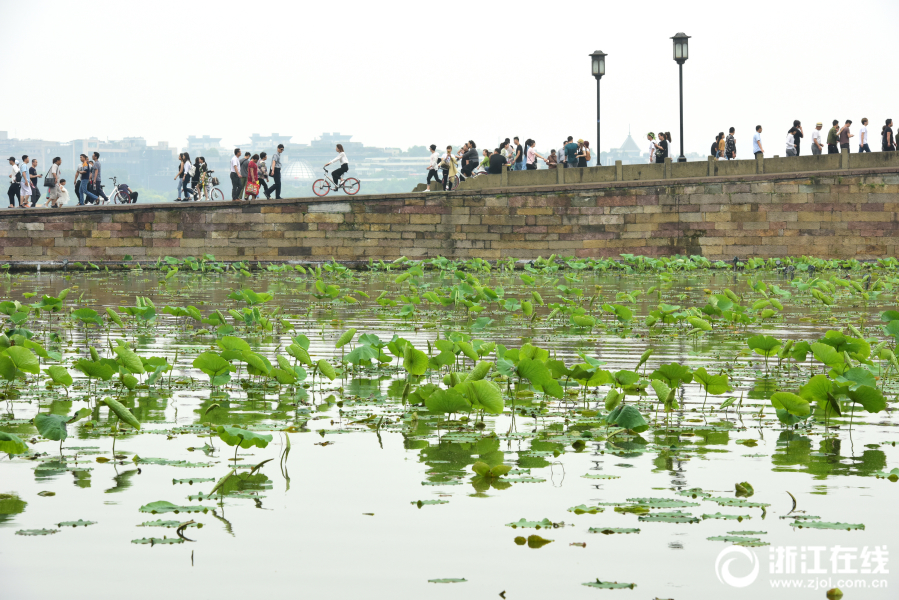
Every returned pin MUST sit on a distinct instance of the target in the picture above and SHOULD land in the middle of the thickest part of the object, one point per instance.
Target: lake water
(339, 516)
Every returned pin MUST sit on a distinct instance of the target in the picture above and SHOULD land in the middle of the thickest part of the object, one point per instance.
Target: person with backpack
(889, 142)
(730, 145)
(583, 154)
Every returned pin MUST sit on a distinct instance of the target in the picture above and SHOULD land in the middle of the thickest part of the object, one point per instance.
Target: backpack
(714, 149)
(192, 170)
(730, 145)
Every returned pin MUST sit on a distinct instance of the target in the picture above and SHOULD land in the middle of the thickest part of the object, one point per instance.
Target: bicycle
(208, 189)
(118, 197)
(321, 187)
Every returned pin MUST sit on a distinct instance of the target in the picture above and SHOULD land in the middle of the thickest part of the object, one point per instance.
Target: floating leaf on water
(610, 585)
(693, 493)
(581, 509)
(46, 494)
(156, 541)
(732, 538)
(37, 531)
(662, 502)
(636, 509)
(892, 475)
(167, 524)
(78, 523)
(535, 541)
(447, 580)
(726, 517)
(421, 503)
(600, 476)
(544, 524)
(669, 517)
(828, 525)
(162, 506)
(193, 480)
(744, 489)
(612, 530)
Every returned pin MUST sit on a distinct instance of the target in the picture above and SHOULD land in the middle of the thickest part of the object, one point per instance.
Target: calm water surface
(339, 518)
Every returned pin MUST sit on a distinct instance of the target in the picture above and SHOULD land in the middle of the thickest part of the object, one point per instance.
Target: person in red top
(253, 175)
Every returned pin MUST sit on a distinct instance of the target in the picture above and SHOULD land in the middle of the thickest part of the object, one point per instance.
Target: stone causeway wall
(842, 213)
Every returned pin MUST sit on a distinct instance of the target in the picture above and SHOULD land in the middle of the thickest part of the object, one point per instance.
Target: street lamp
(681, 53)
(598, 68)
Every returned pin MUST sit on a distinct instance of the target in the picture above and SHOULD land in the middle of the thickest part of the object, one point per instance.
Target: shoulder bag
(49, 182)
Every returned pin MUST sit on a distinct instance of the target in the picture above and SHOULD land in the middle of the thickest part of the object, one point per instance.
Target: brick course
(848, 214)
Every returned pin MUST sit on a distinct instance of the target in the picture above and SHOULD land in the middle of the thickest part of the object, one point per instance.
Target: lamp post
(681, 53)
(598, 68)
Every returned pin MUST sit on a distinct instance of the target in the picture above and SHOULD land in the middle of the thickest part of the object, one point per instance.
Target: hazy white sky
(401, 73)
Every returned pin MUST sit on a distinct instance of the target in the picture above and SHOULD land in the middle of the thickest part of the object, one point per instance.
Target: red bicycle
(350, 185)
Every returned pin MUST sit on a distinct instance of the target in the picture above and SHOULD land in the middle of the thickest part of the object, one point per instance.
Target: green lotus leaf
(23, 359)
(121, 412)
(793, 404)
(483, 395)
(447, 401)
(234, 436)
(59, 375)
(609, 585)
(345, 339)
(326, 369)
(232, 343)
(212, 364)
(52, 427)
(11, 444)
(130, 359)
(713, 384)
(628, 417)
(828, 525)
(415, 362)
(612, 530)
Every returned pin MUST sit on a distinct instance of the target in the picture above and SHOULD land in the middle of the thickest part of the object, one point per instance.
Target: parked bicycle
(118, 197)
(206, 188)
(321, 187)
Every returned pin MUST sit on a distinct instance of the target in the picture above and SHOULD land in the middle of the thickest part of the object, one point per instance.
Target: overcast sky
(403, 73)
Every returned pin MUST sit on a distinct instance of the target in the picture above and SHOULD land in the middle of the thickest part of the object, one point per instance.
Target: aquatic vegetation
(491, 379)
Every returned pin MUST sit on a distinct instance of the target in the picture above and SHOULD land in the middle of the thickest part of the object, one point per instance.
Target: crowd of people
(837, 139)
(468, 161)
(25, 188)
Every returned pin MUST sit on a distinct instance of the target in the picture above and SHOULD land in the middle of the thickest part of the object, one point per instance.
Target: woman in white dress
(652, 146)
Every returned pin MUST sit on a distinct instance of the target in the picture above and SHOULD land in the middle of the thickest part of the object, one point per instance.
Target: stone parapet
(849, 213)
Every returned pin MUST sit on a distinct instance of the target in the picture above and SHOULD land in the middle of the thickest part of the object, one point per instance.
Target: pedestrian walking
(178, 176)
(833, 138)
(252, 188)
(244, 172)
(652, 146)
(791, 142)
(757, 147)
(263, 175)
(845, 135)
(53, 177)
(235, 175)
(35, 189)
(82, 176)
(730, 145)
(187, 170)
(863, 137)
(14, 178)
(24, 184)
(817, 146)
(888, 143)
(96, 178)
(797, 135)
(432, 168)
(276, 171)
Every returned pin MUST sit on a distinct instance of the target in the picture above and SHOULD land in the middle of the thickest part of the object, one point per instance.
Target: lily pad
(155, 541)
(77, 523)
(611, 530)
(544, 524)
(581, 509)
(669, 517)
(447, 580)
(610, 585)
(726, 517)
(828, 525)
(162, 506)
(37, 531)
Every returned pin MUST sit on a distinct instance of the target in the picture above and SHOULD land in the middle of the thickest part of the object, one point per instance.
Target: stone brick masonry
(837, 214)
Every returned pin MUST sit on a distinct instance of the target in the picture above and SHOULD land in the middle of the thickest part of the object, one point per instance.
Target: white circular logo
(722, 567)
